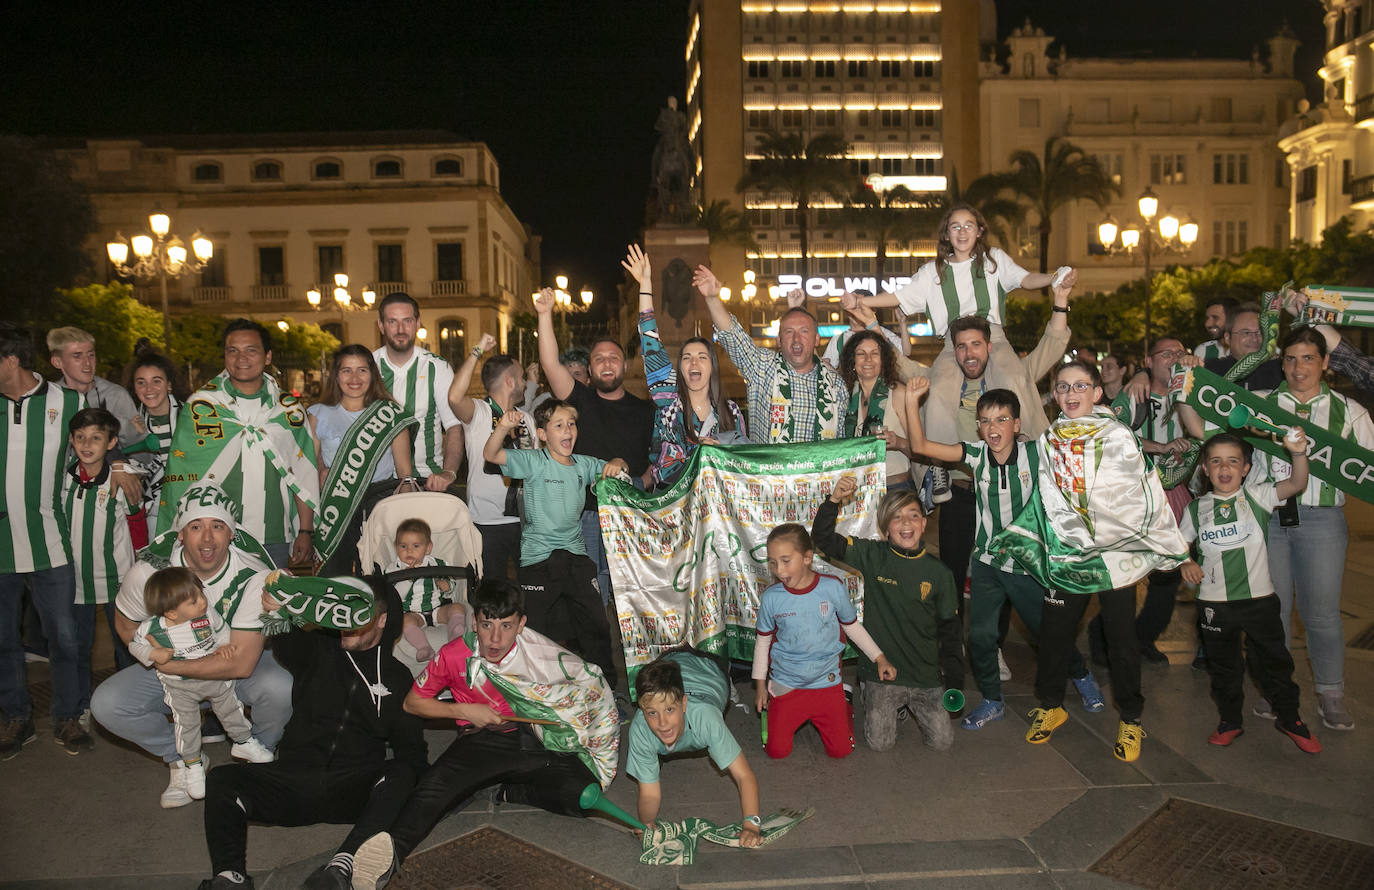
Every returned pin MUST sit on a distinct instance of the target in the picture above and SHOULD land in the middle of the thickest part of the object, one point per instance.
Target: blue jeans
(596, 552)
(280, 553)
(84, 616)
(1307, 563)
(52, 592)
(130, 705)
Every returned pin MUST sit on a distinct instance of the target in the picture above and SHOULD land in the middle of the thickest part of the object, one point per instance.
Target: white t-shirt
(486, 491)
(1231, 540)
(985, 296)
(236, 592)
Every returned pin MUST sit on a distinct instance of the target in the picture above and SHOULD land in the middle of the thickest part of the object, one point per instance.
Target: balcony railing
(1364, 108)
(448, 288)
(1361, 189)
(266, 293)
(387, 288)
(210, 294)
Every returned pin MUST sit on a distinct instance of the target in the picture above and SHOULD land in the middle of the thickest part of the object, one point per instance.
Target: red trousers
(828, 711)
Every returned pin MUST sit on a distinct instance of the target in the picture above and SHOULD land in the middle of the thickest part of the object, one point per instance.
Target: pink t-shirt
(448, 670)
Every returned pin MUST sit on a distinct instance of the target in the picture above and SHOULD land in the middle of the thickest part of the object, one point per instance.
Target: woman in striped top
(157, 388)
(1308, 533)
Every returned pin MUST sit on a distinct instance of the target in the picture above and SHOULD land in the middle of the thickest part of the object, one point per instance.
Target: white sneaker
(175, 795)
(195, 780)
(85, 721)
(252, 751)
(1331, 708)
(1003, 671)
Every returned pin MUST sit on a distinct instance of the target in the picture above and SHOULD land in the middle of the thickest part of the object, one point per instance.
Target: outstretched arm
(458, 398)
(560, 379)
(706, 282)
(916, 433)
(748, 787)
(492, 451)
(1296, 483)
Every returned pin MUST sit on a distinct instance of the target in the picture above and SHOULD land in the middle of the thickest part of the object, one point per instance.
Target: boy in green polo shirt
(561, 599)
(683, 696)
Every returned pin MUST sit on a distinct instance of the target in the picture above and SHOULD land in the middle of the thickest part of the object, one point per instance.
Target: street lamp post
(1174, 236)
(343, 298)
(565, 305)
(159, 255)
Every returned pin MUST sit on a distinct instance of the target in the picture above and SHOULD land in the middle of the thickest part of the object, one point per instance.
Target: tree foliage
(804, 170)
(45, 219)
(111, 315)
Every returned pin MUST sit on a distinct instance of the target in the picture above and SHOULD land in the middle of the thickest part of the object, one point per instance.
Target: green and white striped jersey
(1330, 411)
(1162, 423)
(188, 640)
(102, 547)
(1210, 349)
(422, 594)
(421, 386)
(33, 527)
(1232, 541)
(1000, 490)
(235, 593)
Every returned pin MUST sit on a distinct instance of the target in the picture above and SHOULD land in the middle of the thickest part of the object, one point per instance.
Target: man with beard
(331, 765)
(611, 422)
(1216, 318)
(491, 496)
(792, 396)
(420, 381)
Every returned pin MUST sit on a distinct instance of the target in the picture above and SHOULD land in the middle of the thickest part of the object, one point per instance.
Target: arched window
(448, 167)
(210, 171)
(327, 168)
(452, 340)
(386, 168)
(267, 171)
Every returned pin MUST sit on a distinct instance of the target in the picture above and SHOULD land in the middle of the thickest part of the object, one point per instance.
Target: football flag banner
(689, 563)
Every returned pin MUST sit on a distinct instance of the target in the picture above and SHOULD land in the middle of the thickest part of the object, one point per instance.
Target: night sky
(564, 93)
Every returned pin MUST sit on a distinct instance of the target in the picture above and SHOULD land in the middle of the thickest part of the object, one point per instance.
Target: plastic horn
(592, 799)
(953, 700)
(763, 725)
(1241, 417)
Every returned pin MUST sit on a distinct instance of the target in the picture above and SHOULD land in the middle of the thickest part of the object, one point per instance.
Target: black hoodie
(334, 722)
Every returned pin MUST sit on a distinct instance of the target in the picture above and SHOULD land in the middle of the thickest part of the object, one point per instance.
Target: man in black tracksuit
(331, 764)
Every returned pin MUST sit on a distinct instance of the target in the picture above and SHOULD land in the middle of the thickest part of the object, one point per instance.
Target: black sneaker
(1152, 654)
(72, 737)
(329, 876)
(1200, 660)
(220, 882)
(14, 735)
(374, 863)
(211, 730)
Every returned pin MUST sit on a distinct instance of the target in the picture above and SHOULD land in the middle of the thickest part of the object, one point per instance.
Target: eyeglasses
(1169, 353)
(1063, 388)
(963, 227)
(984, 421)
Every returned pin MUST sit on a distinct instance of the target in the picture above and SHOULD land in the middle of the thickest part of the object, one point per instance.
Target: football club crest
(925, 590)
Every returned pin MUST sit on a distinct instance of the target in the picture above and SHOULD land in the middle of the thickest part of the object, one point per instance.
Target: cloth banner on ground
(211, 440)
(364, 446)
(1352, 306)
(689, 563)
(1331, 458)
(334, 603)
(543, 681)
(1116, 526)
(675, 843)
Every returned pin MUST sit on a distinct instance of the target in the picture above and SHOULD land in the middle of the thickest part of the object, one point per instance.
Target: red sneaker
(1225, 734)
(1301, 736)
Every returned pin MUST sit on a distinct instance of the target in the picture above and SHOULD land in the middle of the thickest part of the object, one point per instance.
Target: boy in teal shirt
(683, 696)
(561, 599)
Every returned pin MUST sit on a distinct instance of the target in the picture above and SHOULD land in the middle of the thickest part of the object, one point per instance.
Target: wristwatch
(753, 820)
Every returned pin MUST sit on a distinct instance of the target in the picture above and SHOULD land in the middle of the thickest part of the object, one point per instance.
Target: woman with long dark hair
(352, 384)
(159, 393)
(877, 401)
(692, 410)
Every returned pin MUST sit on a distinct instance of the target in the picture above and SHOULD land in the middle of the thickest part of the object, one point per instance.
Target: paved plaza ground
(993, 812)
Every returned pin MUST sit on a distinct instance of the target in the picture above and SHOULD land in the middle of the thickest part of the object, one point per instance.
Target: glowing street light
(158, 256)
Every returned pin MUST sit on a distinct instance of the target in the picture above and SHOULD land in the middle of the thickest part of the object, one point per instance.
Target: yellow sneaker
(1128, 737)
(1044, 721)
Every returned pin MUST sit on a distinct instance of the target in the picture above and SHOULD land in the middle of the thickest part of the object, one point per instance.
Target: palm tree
(725, 225)
(897, 214)
(805, 170)
(1063, 175)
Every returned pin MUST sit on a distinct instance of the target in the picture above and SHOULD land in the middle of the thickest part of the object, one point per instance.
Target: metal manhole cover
(1186, 845)
(490, 859)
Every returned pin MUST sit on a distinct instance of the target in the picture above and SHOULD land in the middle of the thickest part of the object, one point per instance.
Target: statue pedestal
(675, 252)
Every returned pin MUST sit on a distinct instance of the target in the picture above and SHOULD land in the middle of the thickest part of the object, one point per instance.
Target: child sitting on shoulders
(1235, 593)
(185, 626)
(797, 650)
(910, 608)
(683, 697)
(426, 600)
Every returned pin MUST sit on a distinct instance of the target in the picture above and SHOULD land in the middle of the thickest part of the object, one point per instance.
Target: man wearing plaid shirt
(792, 396)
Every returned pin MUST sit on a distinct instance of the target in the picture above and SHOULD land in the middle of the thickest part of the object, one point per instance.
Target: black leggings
(479, 759)
(286, 794)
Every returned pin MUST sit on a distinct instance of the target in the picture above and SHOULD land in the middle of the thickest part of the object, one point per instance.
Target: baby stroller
(456, 543)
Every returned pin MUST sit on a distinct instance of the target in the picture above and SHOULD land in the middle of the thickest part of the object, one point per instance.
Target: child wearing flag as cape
(1235, 592)
(1097, 524)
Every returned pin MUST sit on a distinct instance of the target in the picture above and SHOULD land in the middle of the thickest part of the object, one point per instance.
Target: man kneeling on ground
(331, 763)
(549, 768)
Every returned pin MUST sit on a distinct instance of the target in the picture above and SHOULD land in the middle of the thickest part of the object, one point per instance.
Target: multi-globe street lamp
(159, 254)
(1173, 236)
